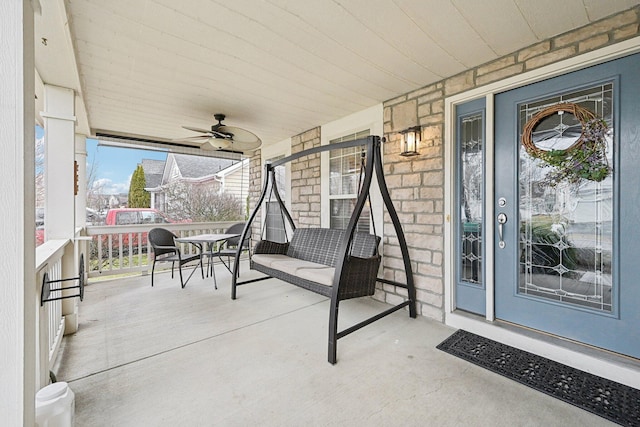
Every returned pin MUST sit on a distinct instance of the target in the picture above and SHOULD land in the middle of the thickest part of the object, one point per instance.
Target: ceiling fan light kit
(217, 144)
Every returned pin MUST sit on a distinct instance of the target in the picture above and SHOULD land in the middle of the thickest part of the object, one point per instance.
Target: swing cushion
(286, 264)
(324, 276)
(309, 261)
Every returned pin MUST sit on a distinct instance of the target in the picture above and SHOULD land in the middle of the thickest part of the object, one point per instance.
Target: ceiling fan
(222, 137)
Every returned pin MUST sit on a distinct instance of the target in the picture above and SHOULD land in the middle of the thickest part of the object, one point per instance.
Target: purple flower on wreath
(588, 161)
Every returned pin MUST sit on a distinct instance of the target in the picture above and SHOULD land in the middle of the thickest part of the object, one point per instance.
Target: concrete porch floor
(167, 356)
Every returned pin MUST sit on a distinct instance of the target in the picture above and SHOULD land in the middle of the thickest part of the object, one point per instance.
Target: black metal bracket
(45, 296)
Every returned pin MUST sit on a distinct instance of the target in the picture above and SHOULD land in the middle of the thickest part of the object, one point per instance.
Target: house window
(274, 219)
(344, 179)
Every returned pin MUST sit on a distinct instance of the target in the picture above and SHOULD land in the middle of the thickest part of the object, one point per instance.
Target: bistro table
(206, 241)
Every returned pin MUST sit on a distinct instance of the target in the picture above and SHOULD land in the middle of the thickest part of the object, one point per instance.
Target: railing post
(70, 305)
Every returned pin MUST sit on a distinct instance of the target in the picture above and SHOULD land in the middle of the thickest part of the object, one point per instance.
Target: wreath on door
(586, 158)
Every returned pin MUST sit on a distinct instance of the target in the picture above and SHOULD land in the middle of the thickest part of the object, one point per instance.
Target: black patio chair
(229, 247)
(165, 250)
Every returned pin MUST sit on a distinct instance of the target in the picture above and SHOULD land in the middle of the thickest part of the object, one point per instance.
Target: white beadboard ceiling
(274, 67)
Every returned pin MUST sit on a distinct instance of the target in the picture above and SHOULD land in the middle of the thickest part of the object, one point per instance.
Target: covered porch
(136, 74)
(171, 356)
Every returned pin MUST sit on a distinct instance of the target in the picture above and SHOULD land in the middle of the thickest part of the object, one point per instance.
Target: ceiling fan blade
(239, 134)
(245, 146)
(193, 138)
(214, 133)
(228, 138)
(196, 129)
(217, 134)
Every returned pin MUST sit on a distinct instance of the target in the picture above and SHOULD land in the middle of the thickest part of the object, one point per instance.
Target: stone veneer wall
(305, 183)
(305, 180)
(417, 184)
(255, 189)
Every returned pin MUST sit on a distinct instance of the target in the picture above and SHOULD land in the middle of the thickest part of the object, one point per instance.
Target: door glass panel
(471, 199)
(566, 227)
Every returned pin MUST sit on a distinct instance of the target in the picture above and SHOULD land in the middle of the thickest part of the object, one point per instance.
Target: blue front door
(567, 238)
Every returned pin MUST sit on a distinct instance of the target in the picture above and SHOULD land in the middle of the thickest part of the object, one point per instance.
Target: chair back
(237, 229)
(161, 237)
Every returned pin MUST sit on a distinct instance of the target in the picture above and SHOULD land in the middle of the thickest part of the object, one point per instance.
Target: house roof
(153, 170)
(231, 169)
(198, 167)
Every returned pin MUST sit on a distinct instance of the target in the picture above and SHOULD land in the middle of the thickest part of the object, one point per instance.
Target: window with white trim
(274, 219)
(344, 179)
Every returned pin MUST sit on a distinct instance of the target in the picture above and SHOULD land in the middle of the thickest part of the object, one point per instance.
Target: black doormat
(615, 402)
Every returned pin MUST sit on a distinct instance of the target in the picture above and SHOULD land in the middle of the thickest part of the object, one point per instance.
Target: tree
(201, 203)
(138, 196)
(95, 187)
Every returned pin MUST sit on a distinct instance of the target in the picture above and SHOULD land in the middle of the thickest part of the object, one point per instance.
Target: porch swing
(338, 264)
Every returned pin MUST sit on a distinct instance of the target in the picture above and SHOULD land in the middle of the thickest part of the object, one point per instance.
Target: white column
(59, 137)
(59, 178)
(17, 205)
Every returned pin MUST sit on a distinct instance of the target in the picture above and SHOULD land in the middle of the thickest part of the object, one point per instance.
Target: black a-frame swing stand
(337, 292)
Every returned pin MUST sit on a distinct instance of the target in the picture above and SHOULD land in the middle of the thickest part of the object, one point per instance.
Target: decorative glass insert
(344, 179)
(471, 199)
(566, 229)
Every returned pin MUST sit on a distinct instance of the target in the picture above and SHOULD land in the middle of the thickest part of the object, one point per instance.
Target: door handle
(502, 219)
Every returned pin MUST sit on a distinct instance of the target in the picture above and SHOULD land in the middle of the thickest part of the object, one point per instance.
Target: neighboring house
(221, 175)
(235, 180)
(193, 169)
(153, 170)
(101, 202)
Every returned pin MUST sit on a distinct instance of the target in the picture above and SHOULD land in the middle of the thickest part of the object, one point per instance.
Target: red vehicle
(133, 216)
(93, 218)
(39, 235)
(39, 226)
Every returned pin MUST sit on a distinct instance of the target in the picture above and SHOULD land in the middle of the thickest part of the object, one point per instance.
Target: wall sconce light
(410, 139)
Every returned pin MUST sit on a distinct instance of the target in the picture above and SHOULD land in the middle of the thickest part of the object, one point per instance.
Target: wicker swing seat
(309, 261)
(338, 264)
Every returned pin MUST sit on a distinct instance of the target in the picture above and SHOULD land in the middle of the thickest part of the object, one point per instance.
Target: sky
(114, 166)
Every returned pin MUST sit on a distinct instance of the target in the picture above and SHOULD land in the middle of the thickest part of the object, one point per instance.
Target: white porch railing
(49, 257)
(104, 256)
(123, 249)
